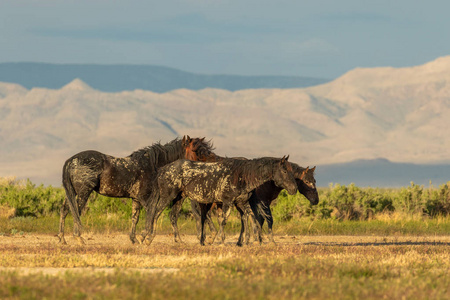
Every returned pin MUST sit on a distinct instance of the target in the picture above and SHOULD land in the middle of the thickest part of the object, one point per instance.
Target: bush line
(23, 198)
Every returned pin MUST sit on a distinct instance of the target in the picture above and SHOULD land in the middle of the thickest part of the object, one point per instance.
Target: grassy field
(298, 267)
(358, 243)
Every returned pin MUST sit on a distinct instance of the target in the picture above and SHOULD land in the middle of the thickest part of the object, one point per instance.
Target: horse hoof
(62, 241)
(147, 242)
(209, 241)
(140, 239)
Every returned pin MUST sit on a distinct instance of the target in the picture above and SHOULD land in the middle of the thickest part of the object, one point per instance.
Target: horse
(128, 177)
(229, 182)
(195, 207)
(265, 194)
(259, 201)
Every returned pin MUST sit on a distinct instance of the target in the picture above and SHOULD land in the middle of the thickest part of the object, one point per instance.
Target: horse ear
(283, 159)
(304, 173)
(313, 169)
(183, 141)
(287, 157)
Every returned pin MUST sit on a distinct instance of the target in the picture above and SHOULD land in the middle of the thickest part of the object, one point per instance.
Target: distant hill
(400, 114)
(116, 78)
(382, 173)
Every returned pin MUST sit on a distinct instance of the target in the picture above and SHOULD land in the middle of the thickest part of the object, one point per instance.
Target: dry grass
(314, 267)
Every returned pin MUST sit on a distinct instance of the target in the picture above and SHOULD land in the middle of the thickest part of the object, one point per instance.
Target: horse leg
(82, 200)
(212, 228)
(195, 207)
(174, 214)
(269, 219)
(149, 223)
(257, 229)
(225, 214)
(258, 212)
(259, 222)
(204, 209)
(62, 220)
(154, 212)
(196, 212)
(135, 212)
(244, 224)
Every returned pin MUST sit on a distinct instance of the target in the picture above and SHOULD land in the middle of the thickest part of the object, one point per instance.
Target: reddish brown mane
(197, 149)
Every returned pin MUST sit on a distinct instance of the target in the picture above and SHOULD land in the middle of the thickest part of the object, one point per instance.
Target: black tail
(71, 195)
(260, 209)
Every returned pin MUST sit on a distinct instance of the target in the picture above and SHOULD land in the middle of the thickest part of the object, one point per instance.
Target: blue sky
(320, 38)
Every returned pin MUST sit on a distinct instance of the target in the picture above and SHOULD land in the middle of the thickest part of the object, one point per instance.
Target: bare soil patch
(122, 240)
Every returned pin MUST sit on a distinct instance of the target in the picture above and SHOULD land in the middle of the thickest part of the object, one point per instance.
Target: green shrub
(351, 202)
(29, 200)
(337, 201)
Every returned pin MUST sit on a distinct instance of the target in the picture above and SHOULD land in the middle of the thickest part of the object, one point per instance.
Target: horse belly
(208, 191)
(115, 186)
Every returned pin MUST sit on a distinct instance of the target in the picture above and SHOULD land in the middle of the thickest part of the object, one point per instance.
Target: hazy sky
(320, 38)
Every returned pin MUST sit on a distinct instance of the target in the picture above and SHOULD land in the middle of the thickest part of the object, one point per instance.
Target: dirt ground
(119, 240)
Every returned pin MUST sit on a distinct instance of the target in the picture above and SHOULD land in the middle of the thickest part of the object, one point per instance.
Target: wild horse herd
(161, 176)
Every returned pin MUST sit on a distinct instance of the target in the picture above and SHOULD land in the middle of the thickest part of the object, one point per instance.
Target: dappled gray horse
(229, 182)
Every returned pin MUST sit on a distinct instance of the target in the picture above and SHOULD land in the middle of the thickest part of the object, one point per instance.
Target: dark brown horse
(229, 182)
(128, 177)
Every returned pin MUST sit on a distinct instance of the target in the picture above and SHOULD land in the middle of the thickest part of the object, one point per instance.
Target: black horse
(128, 177)
(229, 182)
(264, 195)
(259, 201)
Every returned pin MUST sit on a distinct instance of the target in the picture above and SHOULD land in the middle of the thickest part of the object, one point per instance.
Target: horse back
(200, 181)
(105, 174)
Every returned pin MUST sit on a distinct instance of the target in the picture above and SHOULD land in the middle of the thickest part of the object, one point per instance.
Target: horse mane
(201, 150)
(158, 155)
(251, 171)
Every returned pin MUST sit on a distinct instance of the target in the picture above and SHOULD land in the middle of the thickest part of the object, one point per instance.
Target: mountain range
(159, 79)
(397, 114)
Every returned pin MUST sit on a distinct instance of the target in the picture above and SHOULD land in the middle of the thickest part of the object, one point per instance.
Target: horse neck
(158, 156)
(264, 175)
(297, 170)
(268, 192)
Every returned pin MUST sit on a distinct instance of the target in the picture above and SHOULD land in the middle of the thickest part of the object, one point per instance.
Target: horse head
(283, 176)
(197, 149)
(307, 184)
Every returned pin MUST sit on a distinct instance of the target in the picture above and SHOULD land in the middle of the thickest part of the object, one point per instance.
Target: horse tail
(260, 209)
(71, 194)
